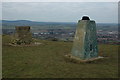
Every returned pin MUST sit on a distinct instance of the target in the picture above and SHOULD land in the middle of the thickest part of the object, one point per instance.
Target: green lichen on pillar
(85, 41)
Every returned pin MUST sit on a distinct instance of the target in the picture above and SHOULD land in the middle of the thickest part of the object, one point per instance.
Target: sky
(101, 12)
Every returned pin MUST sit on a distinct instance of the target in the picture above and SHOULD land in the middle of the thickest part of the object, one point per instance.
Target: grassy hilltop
(47, 61)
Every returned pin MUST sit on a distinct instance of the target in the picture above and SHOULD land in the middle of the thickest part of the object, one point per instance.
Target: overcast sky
(101, 12)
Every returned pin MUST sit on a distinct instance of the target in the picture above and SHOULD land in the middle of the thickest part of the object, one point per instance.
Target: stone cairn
(22, 36)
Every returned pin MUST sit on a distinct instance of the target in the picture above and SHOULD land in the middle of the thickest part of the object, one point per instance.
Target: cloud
(60, 0)
(60, 11)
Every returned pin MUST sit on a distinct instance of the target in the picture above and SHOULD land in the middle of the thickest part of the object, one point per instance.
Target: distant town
(68, 35)
(106, 33)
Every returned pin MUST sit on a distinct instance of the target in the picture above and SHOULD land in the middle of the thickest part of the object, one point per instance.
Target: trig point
(85, 47)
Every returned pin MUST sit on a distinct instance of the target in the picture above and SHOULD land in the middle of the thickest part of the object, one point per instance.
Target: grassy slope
(47, 61)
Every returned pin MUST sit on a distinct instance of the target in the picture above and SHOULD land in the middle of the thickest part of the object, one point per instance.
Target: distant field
(47, 61)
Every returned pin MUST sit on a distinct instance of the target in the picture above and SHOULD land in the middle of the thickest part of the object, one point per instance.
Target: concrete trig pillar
(85, 41)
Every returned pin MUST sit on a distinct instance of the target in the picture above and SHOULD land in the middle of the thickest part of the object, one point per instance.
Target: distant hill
(30, 23)
(8, 24)
(34, 24)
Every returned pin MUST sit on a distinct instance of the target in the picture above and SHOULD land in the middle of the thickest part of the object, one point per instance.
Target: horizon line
(52, 21)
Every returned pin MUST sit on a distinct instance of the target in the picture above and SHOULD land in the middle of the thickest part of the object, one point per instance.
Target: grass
(47, 61)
